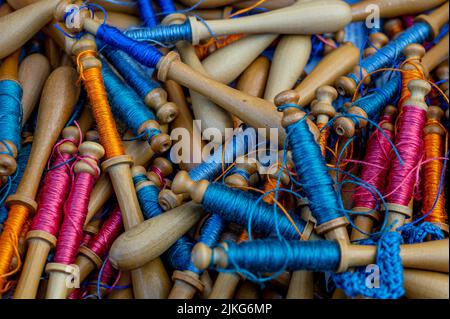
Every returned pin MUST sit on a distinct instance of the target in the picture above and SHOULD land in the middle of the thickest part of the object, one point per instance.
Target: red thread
(53, 195)
(109, 231)
(108, 273)
(75, 212)
(409, 144)
(375, 170)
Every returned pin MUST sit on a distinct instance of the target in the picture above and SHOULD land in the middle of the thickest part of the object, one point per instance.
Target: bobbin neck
(183, 183)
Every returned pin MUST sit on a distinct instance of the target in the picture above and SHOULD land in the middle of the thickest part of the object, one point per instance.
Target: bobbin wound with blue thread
(10, 114)
(154, 96)
(425, 27)
(317, 184)
(127, 106)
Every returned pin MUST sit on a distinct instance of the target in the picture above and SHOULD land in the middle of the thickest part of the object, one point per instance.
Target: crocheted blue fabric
(390, 272)
(418, 234)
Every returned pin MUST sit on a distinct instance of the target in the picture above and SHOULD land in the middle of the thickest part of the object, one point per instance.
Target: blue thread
(13, 181)
(167, 7)
(10, 112)
(126, 104)
(390, 53)
(212, 167)
(179, 255)
(142, 52)
(211, 230)
(245, 209)
(239, 171)
(312, 173)
(148, 198)
(147, 13)
(390, 270)
(269, 255)
(131, 71)
(418, 234)
(162, 33)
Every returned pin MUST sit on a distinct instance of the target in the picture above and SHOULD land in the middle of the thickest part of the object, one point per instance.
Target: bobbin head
(203, 256)
(390, 112)
(93, 152)
(164, 166)
(379, 40)
(160, 142)
(183, 183)
(168, 200)
(243, 163)
(414, 53)
(71, 133)
(434, 115)
(93, 136)
(323, 106)
(419, 89)
(346, 86)
(137, 170)
(8, 163)
(87, 43)
(345, 126)
(393, 27)
(166, 111)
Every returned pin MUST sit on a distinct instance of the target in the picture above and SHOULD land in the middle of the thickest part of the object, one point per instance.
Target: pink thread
(109, 231)
(76, 294)
(158, 172)
(108, 273)
(408, 20)
(409, 144)
(375, 170)
(75, 212)
(52, 196)
(86, 238)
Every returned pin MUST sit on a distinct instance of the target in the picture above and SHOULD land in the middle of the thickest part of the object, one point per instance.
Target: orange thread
(433, 145)
(247, 9)
(203, 50)
(323, 138)
(107, 130)
(407, 76)
(9, 241)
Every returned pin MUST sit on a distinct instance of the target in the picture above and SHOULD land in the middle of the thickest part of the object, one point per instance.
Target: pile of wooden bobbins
(128, 134)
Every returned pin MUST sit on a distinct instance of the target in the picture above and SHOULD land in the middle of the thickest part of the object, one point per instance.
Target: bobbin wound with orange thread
(435, 144)
(117, 164)
(56, 104)
(43, 233)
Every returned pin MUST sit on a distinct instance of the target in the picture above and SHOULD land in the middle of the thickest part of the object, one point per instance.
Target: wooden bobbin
(420, 284)
(334, 229)
(124, 6)
(58, 98)
(125, 293)
(40, 242)
(442, 73)
(237, 180)
(151, 280)
(268, 4)
(419, 89)
(33, 71)
(165, 111)
(120, 20)
(164, 166)
(210, 114)
(8, 151)
(52, 52)
(436, 55)
(323, 109)
(140, 152)
(289, 60)
(389, 9)
(430, 256)
(208, 3)
(332, 66)
(303, 18)
(61, 275)
(434, 116)
(365, 222)
(184, 121)
(393, 27)
(435, 20)
(378, 40)
(153, 237)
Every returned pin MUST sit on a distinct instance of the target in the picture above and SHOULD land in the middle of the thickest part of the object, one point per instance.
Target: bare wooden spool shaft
(141, 154)
(436, 55)
(150, 239)
(290, 58)
(33, 72)
(126, 293)
(208, 3)
(420, 284)
(184, 120)
(210, 114)
(52, 52)
(268, 4)
(58, 98)
(305, 18)
(392, 9)
(125, 8)
(150, 281)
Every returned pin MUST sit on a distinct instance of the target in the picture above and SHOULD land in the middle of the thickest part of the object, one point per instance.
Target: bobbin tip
(183, 183)
(160, 143)
(168, 200)
(164, 165)
(92, 136)
(345, 86)
(138, 170)
(344, 126)
(201, 256)
(167, 113)
(236, 180)
(8, 165)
